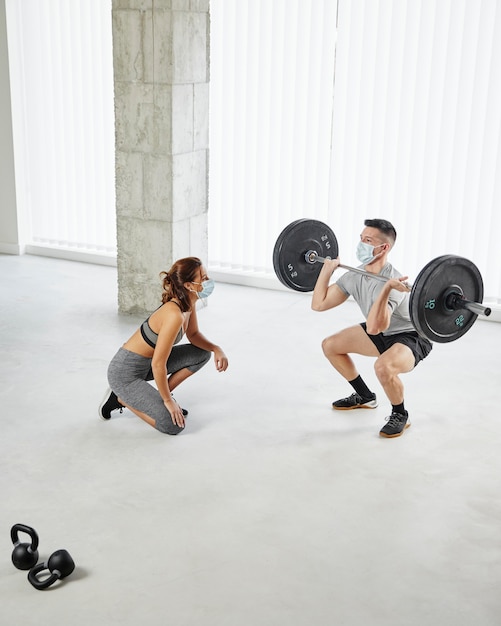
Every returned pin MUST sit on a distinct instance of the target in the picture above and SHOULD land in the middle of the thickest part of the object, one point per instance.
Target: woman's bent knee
(203, 358)
(167, 428)
(165, 425)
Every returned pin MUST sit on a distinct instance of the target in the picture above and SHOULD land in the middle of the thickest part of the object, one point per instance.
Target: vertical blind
(272, 72)
(60, 54)
(416, 129)
(332, 110)
(367, 108)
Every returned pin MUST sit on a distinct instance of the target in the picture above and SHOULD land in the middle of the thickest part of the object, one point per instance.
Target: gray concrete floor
(270, 508)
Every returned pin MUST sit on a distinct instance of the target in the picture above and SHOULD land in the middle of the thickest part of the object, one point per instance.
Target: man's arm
(379, 317)
(324, 296)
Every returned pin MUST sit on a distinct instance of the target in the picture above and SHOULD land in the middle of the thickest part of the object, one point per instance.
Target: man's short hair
(384, 226)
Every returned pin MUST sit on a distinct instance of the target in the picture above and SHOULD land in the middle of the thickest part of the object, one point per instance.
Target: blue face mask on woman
(207, 288)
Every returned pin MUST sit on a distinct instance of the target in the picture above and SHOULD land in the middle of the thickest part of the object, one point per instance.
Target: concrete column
(9, 225)
(161, 76)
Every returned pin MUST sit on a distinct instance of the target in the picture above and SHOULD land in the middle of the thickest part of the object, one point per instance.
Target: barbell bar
(312, 257)
(444, 301)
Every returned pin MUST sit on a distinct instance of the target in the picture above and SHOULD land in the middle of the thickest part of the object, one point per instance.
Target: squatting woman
(153, 353)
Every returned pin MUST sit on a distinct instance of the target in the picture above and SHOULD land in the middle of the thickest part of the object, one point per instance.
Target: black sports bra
(151, 337)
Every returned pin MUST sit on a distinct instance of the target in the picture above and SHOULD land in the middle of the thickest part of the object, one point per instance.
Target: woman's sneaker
(395, 425)
(355, 401)
(109, 403)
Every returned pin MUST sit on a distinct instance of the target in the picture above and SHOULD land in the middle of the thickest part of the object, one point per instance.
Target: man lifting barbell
(387, 334)
(444, 302)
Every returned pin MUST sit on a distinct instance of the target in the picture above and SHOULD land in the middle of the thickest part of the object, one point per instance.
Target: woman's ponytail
(183, 271)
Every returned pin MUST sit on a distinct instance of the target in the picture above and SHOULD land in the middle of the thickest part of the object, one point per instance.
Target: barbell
(445, 299)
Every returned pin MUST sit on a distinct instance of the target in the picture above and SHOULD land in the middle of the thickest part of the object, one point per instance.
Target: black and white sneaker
(109, 403)
(355, 401)
(395, 425)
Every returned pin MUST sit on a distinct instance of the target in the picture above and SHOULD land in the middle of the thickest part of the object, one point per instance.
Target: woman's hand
(175, 411)
(220, 360)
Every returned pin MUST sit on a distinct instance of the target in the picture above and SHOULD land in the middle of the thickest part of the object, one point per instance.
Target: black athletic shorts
(420, 346)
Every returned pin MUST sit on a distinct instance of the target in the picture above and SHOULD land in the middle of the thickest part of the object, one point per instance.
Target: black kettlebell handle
(22, 528)
(24, 555)
(60, 565)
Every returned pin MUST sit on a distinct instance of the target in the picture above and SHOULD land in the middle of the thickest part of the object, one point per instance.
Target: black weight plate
(298, 238)
(428, 308)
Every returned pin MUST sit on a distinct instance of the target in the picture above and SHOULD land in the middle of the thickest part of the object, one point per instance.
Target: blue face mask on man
(207, 288)
(365, 252)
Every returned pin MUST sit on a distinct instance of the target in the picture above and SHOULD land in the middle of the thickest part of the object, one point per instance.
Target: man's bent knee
(329, 346)
(385, 371)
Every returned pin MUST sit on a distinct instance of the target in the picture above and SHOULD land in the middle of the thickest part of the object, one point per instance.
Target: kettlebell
(24, 555)
(60, 564)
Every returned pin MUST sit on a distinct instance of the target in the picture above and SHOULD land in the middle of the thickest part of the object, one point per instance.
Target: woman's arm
(200, 341)
(170, 320)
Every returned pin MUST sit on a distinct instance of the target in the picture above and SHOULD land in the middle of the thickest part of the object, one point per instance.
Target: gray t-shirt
(365, 290)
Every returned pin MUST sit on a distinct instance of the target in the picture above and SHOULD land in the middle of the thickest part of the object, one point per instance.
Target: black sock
(399, 408)
(361, 388)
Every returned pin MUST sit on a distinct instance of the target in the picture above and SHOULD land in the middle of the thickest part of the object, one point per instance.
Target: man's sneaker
(355, 401)
(395, 425)
(109, 403)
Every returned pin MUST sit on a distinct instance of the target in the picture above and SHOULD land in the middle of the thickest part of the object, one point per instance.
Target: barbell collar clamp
(457, 302)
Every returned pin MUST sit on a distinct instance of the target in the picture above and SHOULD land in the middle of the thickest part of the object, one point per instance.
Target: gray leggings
(129, 372)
